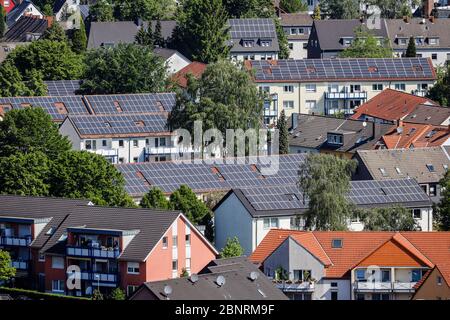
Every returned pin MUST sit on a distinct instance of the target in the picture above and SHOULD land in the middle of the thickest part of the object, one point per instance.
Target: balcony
(383, 286)
(15, 241)
(20, 265)
(170, 150)
(97, 276)
(92, 252)
(295, 286)
(346, 95)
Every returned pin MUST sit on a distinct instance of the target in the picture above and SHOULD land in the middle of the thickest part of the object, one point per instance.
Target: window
(266, 43)
(174, 241)
(58, 285)
(270, 223)
(433, 41)
(6, 3)
(289, 89)
(385, 275)
(302, 275)
(248, 43)
(335, 139)
(90, 144)
(133, 267)
(419, 41)
(380, 296)
(439, 280)
(188, 239)
(310, 104)
(121, 143)
(188, 263)
(311, 87)
(136, 159)
(417, 214)
(131, 290)
(135, 143)
(360, 296)
(334, 295)
(291, 46)
(162, 142)
(336, 243)
(400, 87)
(104, 143)
(57, 262)
(360, 274)
(416, 275)
(434, 56)
(430, 167)
(294, 31)
(433, 190)
(174, 265)
(41, 257)
(377, 87)
(121, 160)
(334, 284)
(165, 242)
(383, 172)
(305, 45)
(333, 88)
(355, 88)
(288, 104)
(402, 41)
(398, 170)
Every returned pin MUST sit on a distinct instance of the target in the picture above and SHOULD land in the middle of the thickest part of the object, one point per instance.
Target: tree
(118, 294)
(25, 174)
(411, 50)
(388, 219)
(158, 40)
(184, 273)
(101, 10)
(6, 271)
(85, 175)
(185, 200)
(283, 133)
(145, 9)
(394, 9)
(55, 33)
(443, 208)
(79, 39)
(317, 15)
(54, 59)
(293, 6)
(282, 41)
(249, 8)
(97, 295)
(2, 21)
(30, 130)
(155, 199)
(202, 33)
(341, 9)
(144, 37)
(121, 70)
(324, 181)
(232, 249)
(13, 84)
(440, 92)
(47, 10)
(366, 45)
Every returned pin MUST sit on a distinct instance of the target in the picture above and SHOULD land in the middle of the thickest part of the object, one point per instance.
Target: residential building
(297, 27)
(175, 61)
(426, 165)
(250, 213)
(25, 7)
(230, 279)
(194, 69)
(67, 13)
(105, 247)
(331, 135)
(434, 285)
(330, 86)
(7, 5)
(335, 265)
(430, 35)
(253, 39)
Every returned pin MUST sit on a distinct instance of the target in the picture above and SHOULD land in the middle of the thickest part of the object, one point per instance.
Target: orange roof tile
(195, 68)
(310, 243)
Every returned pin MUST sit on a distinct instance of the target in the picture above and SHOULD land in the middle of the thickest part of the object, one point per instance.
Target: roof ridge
(428, 261)
(322, 248)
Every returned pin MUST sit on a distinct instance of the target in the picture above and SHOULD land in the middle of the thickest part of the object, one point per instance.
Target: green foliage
(388, 219)
(120, 70)
(184, 273)
(440, 92)
(232, 249)
(2, 21)
(97, 295)
(118, 294)
(102, 10)
(293, 6)
(6, 271)
(155, 199)
(144, 9)
(282, 126)
(341, 9)
(85, 175)
(158, 40)
(281, 274)
(185, 200)
(317, 15)
(79, 39)
(325, 182)
(25, 174)
(282, 41)
(54, 59)
(411, 50)
(249, 8)
(55, 33)
(201, 33)
(394, 9)
(366, 45)
(47, 10)
(144, 37)
(37, 295)
(443, 208)
(30, 130)
(13, 84)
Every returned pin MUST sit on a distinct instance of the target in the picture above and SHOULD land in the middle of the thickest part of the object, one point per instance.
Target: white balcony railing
(346, 95)
(15, 241)
(295, 286)
(94, 276)
(92, 252)
(20, 265)
(383, 286)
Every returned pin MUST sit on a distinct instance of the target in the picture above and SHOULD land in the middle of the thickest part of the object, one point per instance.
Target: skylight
(383, 172)
(336, 243)
(398, 170)
(430, 167)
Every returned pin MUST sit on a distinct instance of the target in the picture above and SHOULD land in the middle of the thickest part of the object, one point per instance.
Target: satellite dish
(364, 124)
(220, 281)
(167, 290)
(253, 275)
(194, 278)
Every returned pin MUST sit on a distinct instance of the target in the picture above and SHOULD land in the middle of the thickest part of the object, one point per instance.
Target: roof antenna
(193, 278)
(220, 281)
(167, 291)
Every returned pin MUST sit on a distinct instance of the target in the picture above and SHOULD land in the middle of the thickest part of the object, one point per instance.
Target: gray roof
(164, 52)
(58, 88)
(288, 200)
(167, 27)
(84, 10)
(55, 209)
(411, 163)
(398, 28)
(427, 114)
(238, 284)
(296, 20)
(311, 132)
(313, 70)
(330, 32)
(253, 29)
(19, 31)
(58, 5)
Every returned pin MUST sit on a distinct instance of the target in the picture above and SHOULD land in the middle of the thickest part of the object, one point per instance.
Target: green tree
(97, 295)
(184, 273)
(145, 9)
(54, 59)
(47, 10)
(2, 22)
(282, 127)
(249, 8)
(443, 208)
(120, 70)
(340, 9)
(366, 45)
(202, 33)
(118, 294)
(6, 271)
(440, 92)
(394, 9)
(282, 41)
(232, 249)
(185, 200)
(85, 175)
(30, 130)
(155, 199)
(101, 10)
(79, 39)
(324, 181)
(411, 50)
(144, 37)
(13, 84)
(293, 6)
(388, 219)
(317, 15)
(25, 174)
(55, 33)
(158, 40)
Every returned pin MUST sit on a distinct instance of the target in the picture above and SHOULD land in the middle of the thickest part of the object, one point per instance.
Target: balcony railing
(96, 276)
(92, 252)
(383, 286)
(19, 265)
(15, 241)
(346, 95)
(295, 286)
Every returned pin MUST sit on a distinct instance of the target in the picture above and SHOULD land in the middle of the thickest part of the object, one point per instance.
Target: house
(330, 37)
(229, 279)
(175, 61)
(297, 27)
(67, 13)
(330, 86)
(26, 7)
(253, 39)
(7, 5)
(426, 165)
(62, 88)
(391, 106)
(434, 285)
(250, 213)
(333, 265)
(340, 137)
(195, 69)
(106, 247)
(430, 35)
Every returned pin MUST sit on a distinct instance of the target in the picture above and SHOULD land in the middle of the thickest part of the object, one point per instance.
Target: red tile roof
(390, 105)
(308, 241)
(195, 68)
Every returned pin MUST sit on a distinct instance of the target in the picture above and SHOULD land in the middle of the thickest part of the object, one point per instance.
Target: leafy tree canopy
(440, 92)
(249, 8)
(79, 39)
(2, 21)
(146, 10)
(232, 249)
(55, 33)
(388, 219)
(341, 9)
(293, 6)
(443, 208)
(366, 45)
(6, 271)
(185, 200)
(155, 199)
(13, 84)
(282, 127)
(102, 11)
(411, 50)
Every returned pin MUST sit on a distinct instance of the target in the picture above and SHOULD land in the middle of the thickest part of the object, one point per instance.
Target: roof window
(336, 243)
(383, 172)
(430, 168)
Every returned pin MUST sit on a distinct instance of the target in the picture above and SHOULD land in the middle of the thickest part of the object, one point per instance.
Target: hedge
(36, 295)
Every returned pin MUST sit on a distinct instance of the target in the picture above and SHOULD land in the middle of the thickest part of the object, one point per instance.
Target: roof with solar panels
(260, 32)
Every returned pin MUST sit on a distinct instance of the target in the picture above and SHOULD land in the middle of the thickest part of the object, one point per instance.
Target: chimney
(376, 130)
(428, 6)
(294, 121)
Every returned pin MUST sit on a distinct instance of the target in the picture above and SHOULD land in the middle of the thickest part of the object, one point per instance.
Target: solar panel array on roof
(283, 197)
(62, 87)
(315, 69)
(132, 103)
(252, 28)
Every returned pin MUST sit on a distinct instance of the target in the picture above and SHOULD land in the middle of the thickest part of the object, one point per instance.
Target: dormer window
(336, 139)
(266, 43)
(402, 41)
(420, 41)
(248, 43)
(347, 41)
(433, 41)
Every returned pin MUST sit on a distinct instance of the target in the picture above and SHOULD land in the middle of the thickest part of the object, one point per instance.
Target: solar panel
(62, 87)
(252, 28)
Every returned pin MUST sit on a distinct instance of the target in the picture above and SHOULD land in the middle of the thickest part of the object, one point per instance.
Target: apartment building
(297, 27)
(250, 213)
(57, 242)
(351, 265)
(331, 86)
